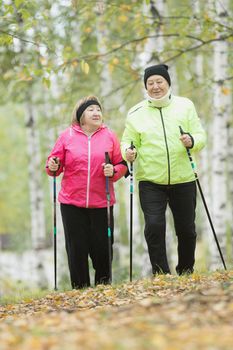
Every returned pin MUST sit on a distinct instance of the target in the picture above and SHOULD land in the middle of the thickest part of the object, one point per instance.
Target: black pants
(86, 234)
(182, 201)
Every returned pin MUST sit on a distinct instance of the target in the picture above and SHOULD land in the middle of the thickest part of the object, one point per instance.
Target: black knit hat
(84, 106)
(159, 69)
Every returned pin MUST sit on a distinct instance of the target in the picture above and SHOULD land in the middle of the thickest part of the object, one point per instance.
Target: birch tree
(35, 183)
(38, 233)
(220, 112)
(230, 181)
(204, 168)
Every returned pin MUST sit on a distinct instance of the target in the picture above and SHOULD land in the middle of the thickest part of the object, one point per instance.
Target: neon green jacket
(161, 156)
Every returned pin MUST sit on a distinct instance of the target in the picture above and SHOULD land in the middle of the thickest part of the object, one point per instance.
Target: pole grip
(107, 159)
(55, 160)
(181, 130)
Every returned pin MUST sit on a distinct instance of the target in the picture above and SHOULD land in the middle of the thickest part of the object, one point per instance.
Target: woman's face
(157, 86)
(92, 117)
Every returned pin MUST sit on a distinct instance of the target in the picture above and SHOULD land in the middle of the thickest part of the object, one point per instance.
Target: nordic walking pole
(107, 161)
(203, 200)
(131, 217)
(55, 226)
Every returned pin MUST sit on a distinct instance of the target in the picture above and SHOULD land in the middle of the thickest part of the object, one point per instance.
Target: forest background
(55, 52)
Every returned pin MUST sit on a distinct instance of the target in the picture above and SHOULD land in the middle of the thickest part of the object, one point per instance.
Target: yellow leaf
(46, 82)
(82, 303)
(88, 30)
(127, 62)
(8, 75)
(123, 18)
(206, 16)
(85, 67)
(110, 67)
(24, 77)
(115, 60)
(125, 7)
(74, 63)
(225, 90)
(33, 343)
(109, 292)
(43, 60)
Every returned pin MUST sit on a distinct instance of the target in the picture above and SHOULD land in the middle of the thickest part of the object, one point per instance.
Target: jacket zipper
(88, 170)
(165, 138)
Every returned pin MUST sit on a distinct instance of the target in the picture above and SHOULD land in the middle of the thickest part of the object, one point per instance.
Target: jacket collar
(77, 127)
(160, 102)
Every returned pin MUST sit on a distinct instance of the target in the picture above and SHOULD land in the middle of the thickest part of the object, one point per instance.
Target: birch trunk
(219, 155)
(35, 184)
(101, 33)
(230, 183)
(38, 235)
(154, 47)
(204, 163)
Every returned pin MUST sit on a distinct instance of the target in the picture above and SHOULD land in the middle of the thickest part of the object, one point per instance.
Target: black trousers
(86, 234)
(181, 198)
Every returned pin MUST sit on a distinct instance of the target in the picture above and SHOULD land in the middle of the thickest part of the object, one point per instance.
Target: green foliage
(77, 42)
(14, 207)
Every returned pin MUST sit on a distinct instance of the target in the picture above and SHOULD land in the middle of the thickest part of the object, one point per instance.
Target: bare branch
(180, 52)
(221, 81)
(193, 48)
(22, 39)
(119, 88)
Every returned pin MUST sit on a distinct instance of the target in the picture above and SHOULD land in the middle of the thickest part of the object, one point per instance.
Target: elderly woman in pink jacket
(80, 154)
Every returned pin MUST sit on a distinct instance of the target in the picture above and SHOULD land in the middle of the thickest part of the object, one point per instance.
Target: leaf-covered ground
(163, 313)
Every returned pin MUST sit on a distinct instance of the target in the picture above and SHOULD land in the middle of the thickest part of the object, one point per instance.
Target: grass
(22, 294)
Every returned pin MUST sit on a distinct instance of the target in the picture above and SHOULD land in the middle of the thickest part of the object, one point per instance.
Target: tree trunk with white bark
(38, 233)
(219, 151)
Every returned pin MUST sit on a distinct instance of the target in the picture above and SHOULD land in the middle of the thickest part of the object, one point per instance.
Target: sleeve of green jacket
(196, 130)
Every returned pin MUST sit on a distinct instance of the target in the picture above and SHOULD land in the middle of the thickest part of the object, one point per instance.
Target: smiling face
(92, 118)
(157, 86)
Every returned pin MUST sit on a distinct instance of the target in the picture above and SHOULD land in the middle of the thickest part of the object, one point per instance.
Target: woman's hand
(108, 169)
(130, 154)
(186, 140)
(53, 164)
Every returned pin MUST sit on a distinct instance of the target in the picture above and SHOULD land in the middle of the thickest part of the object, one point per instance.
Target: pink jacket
(81, 158)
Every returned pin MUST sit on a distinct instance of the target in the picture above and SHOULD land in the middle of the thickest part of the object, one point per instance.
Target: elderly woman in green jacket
(163, 168)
